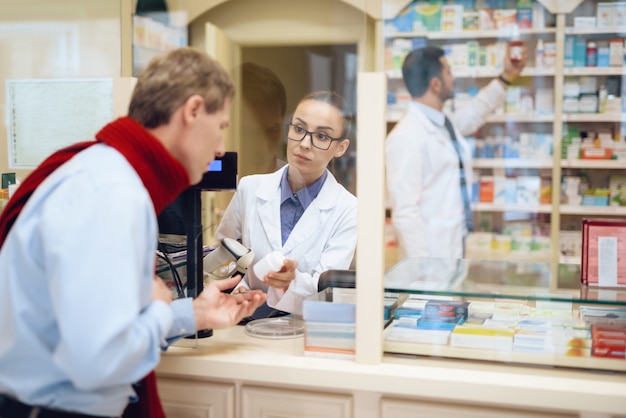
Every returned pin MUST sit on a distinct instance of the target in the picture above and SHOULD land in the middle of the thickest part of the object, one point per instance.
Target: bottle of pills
(592, 54)
(271, 262)
(515, 45)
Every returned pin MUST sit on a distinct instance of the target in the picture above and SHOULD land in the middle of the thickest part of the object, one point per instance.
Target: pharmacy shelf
(600, 164)
(492, 255)
(511, 207)
(529, 118)
(592, 210)
(394, 116)
(485, 34)
(593, 31)
(548, 359)
(396, 74)
(564, 259)
(512, 163)
(593, 117)
(594, 71)
(493, 73)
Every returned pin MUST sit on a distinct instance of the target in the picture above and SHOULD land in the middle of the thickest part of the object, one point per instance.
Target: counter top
(231, 355)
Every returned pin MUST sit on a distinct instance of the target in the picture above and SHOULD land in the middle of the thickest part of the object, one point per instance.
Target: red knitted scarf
(163, 177)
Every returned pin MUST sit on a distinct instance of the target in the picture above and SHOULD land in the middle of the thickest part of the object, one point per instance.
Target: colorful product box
(451, 18)
(608, 348)
(403, 22)
(403, 333)
(482, 338)
(504, 18)
(471, 20)
(427, 17)
(525, 18)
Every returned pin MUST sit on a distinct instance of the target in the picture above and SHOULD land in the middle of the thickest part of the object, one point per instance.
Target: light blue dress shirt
(77, 321)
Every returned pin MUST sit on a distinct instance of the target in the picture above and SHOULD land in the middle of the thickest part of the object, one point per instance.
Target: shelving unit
(557, 213)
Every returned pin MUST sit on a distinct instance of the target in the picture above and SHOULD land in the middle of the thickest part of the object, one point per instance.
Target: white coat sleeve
(405, 177)
(469, 118)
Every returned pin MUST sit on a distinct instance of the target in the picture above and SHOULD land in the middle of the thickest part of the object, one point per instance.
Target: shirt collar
(306, 194)
(435, 116)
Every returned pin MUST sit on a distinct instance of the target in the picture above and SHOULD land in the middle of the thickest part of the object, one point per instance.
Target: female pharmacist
(300, 210)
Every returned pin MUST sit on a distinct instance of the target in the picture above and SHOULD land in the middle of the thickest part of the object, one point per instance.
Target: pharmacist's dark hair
(419, 67)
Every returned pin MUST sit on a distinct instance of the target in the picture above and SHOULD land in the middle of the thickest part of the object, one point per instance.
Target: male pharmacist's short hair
(419, 67)
(170, 79)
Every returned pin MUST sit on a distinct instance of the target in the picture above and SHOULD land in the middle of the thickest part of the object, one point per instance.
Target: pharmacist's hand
(282, 278)
(512, 69)
(160, 291)
(214, 309)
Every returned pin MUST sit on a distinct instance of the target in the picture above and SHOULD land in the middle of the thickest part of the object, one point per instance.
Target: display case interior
(504, 311)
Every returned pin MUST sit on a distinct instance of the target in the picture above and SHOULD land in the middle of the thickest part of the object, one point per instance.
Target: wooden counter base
(243, 366)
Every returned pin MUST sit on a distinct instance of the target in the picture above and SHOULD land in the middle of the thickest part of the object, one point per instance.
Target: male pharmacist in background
(428, 161)
(82, 314)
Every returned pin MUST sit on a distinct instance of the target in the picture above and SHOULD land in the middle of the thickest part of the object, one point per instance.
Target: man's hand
(214, 309)
(513, 68)
(160, 291)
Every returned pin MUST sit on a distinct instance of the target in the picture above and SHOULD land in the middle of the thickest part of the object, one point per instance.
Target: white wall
(56, 39)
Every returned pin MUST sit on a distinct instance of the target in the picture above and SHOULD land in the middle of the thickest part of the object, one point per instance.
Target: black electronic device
(221, 174)
(184, 217)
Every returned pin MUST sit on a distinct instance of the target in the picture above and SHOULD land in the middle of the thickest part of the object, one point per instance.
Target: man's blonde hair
(170, 79)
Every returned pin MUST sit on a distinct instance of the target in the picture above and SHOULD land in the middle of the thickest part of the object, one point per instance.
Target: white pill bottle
(271, 262)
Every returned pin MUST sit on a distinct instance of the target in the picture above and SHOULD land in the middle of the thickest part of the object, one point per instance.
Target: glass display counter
(515, 312)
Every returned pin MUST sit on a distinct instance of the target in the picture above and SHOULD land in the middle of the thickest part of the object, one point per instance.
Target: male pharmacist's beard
(446, 93)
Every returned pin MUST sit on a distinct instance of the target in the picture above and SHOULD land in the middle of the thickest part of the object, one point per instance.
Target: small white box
(499, 189)
(451, 18)
(570, 105)
(528, 190)
(619, 17)
(616, 52)
(544, 101)
(605, 15)
(584, 22)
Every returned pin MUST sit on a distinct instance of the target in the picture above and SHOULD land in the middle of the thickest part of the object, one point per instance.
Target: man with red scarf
(82, 314)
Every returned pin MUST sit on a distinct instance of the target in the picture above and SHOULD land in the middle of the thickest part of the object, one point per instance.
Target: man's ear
(342, 148)
(192, 106)
(435, 84)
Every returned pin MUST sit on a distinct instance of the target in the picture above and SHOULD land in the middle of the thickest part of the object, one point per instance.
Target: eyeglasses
(319, 140)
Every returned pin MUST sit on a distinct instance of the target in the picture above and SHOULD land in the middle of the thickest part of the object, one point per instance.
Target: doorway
(305, 68)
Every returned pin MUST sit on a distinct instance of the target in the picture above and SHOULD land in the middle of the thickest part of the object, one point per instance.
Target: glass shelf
(497, 279)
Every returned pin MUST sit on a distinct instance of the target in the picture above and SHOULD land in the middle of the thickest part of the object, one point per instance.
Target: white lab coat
(324, 238)
(423, 185)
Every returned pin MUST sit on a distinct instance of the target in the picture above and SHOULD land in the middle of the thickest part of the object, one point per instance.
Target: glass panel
(278, 52)
(593, 157)
(510, 172)
(497, 279)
